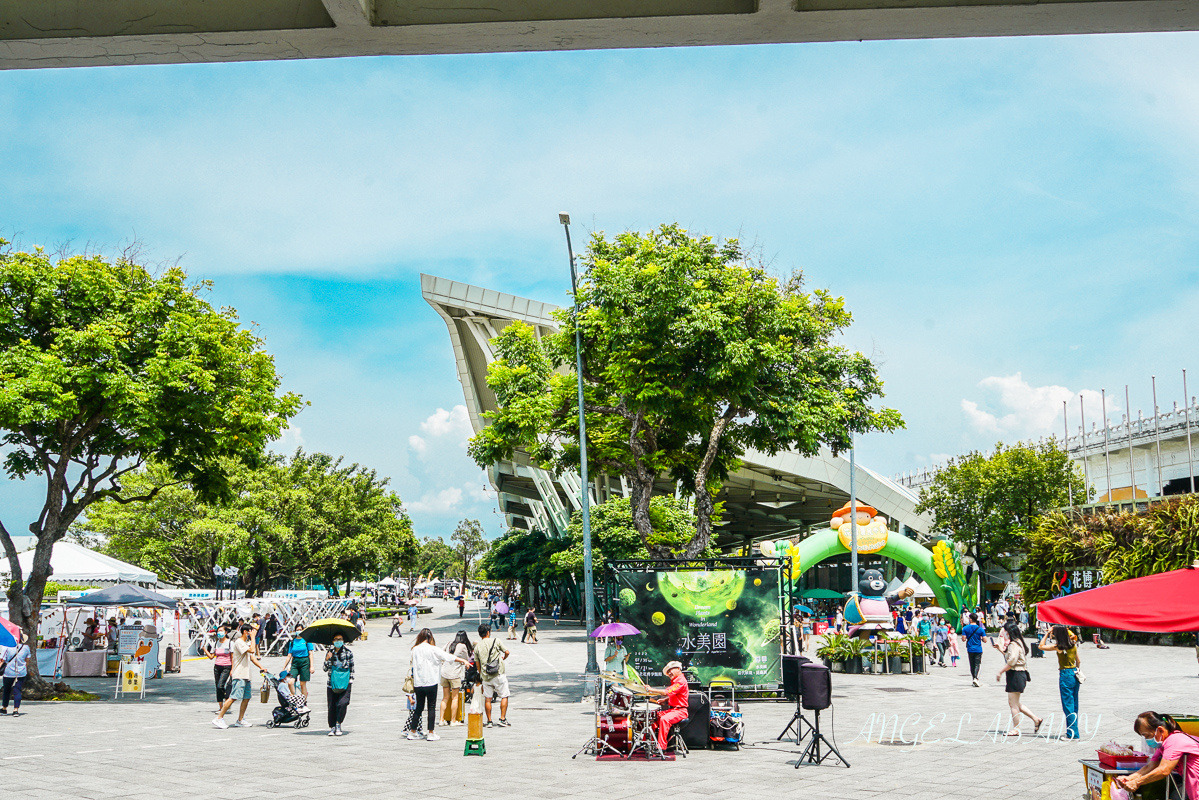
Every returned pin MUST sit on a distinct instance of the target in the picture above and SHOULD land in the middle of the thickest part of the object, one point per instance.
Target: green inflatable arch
(826, 544)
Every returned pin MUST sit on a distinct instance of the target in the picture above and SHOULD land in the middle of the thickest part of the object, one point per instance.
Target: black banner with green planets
(718, 623)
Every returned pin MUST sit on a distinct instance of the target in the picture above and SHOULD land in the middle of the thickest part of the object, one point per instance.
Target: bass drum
(614, 731)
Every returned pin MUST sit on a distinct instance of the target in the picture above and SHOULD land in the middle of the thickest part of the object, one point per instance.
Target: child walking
(953, 647)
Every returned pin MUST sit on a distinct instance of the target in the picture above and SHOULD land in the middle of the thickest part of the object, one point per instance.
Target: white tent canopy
(72, 563)
(921, 588)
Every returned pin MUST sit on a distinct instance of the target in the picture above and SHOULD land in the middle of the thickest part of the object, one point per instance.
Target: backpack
(495, 661)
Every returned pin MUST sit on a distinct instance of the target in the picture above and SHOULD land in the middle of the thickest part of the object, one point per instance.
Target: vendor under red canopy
(1163, 603)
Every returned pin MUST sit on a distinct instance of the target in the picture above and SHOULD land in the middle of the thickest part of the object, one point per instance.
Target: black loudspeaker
(816, 686)
(695, 729)
(791, 668)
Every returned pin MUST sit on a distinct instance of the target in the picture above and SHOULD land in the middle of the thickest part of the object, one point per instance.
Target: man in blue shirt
(974, 636)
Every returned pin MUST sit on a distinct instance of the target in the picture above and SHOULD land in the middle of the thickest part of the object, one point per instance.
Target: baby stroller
(287, 712)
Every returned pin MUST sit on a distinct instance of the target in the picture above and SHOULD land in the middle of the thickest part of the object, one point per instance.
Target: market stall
(1164, 603)
(137, 645)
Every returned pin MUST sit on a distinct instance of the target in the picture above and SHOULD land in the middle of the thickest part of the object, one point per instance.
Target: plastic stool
(475, 747)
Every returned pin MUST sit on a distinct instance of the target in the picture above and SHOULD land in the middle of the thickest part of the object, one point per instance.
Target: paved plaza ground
(165, 747)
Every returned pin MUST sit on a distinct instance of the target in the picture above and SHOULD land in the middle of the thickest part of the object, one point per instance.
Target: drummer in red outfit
(675, 709)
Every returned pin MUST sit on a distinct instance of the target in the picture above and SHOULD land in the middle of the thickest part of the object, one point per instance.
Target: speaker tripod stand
(796, 726)
(814, 753)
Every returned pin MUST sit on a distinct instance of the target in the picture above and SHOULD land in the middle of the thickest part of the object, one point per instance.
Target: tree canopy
(468, 544)
(991, 501)
(613, 536)
(691, 355)
(1125, 544)
(307, 517)
(104, 366)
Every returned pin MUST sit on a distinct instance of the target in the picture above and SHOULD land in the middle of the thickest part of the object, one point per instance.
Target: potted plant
(919, 652)
(832, 652)
(894, 657)
(855, 649)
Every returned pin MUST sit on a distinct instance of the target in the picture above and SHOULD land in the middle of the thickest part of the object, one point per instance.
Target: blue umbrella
(803, 609)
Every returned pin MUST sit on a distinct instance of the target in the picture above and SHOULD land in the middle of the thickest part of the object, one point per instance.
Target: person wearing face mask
(243, 653)
(220, 653)
(298, 664)
(339, 663)
(1171, 749)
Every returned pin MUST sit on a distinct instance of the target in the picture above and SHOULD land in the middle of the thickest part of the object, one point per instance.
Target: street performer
(676, 701)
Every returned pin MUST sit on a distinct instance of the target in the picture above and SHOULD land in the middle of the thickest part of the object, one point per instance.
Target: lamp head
(564, 219)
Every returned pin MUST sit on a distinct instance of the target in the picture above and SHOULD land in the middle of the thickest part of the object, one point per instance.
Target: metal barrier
(203, 617)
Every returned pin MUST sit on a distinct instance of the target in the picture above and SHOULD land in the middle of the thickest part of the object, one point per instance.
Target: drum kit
(626, 722)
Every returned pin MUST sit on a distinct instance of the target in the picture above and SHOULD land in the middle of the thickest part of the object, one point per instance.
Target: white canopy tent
(72, 563)
(921, 588)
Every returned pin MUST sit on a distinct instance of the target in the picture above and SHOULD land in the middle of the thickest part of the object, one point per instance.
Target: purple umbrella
(501, 607)
(615, 629)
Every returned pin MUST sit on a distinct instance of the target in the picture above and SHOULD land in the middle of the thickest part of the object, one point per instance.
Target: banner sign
(1079, 579)
(718, 623)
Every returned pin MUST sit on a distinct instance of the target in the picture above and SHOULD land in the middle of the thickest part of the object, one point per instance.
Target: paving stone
(164, 747)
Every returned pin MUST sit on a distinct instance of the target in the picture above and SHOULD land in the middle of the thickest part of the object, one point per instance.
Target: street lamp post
(585, 500)
(218, 575)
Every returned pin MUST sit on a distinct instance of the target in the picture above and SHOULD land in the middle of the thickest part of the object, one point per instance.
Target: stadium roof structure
(769, 497)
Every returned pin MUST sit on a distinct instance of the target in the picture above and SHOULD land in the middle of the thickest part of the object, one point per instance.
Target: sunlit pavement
(940, 737)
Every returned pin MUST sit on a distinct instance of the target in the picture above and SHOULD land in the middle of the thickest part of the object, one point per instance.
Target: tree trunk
(24, 606)
(704, 504)
(640, 493)
(704, 507)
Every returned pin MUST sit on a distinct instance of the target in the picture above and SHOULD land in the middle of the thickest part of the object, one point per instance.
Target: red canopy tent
(1164, 603)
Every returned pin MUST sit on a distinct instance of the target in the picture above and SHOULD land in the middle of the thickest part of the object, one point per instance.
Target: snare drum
(620, 700)
(614, 731)
(644, 714)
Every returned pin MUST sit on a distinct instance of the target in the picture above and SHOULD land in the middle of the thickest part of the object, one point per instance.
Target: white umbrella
(934, 610)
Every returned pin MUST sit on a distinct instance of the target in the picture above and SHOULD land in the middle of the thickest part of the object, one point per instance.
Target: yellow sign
(872, 537)
(132, 676)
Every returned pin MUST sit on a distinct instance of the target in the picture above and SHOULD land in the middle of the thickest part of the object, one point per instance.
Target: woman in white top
(1016, 668)
(427, 659)
(14, 661)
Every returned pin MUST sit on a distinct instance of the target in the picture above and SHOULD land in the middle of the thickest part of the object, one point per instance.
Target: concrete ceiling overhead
(63, 33)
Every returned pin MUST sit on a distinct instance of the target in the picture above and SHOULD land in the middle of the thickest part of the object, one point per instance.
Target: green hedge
(1125, 544)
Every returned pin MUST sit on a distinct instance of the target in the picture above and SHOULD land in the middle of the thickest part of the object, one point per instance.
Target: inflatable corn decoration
(947, 565)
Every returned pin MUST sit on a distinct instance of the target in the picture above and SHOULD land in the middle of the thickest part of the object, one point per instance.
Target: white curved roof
(73, 563)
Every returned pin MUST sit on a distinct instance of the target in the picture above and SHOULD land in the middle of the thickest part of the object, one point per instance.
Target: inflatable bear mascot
(868, 605)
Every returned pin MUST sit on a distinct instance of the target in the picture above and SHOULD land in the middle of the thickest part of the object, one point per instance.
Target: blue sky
(1012, 221)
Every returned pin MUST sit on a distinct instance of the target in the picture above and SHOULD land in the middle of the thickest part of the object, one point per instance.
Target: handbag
(409, 684)
(1078, 674)
(339, 678)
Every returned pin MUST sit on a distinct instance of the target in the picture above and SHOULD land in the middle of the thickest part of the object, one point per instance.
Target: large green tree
(433, 557)
(691, 355)
(104, 366)
(469, 544)
(290, 519)
(613, 536)
(990, 501)
(522, 556)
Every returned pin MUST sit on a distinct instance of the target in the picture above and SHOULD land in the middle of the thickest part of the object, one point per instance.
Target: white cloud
(1026, 410)
(291, 439)
(455, 422)
(479, 490)
(418, 444)
(437, 502)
